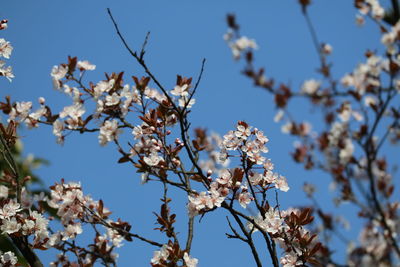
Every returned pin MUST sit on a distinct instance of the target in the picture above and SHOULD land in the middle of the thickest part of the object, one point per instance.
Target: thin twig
(196, 85)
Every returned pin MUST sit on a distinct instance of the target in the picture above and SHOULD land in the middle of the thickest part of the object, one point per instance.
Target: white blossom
(10, 226)
(153, 159)
(190, 262)
(282, 184)
(310, 87)
(181, 90)
(113, 99)
(8, 259)
(58, 73)
(85, 65)
(160, 255)
(75, 111)
(108, 132)
(5, 48)
(102, 87)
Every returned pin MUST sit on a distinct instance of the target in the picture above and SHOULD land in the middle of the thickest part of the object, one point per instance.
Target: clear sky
(183, 32)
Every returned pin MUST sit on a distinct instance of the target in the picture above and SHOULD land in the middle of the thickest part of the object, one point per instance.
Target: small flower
(327, 49)
(3, 24)
(279, 115)
(190, 262)
(345, 112)
(103, 86)
(310, 87)
(75, 111)
(10, 226)
(8, 259)
(181, 90)
(242, 131)
(244, 199)
(108, 132)
(85, 65)
(6, 71)
(183, 101)
(160, 255)
(58, 127)
(153, 159)
(5, 48)
(243, 43)
(346, 153)
(282, 184)
(10, 209)
(287, 127)
(58, 73)
(72, 231)
(290, 260)
(112, 100)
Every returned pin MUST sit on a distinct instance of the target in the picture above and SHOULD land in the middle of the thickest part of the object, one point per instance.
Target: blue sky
(44, 33)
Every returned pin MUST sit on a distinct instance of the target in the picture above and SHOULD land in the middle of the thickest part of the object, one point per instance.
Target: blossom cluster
(153, 154)
(310, 87)
(22, 219)
(239, 45)
(369, 7)
(75, 208)
(72, 208)
(183, 93)
(367, 75)
(389, 39)
(289, 235)
(249, 144)
(113, 100)
(360, 114)
(168, 253)
(8, 259)
(5, 52)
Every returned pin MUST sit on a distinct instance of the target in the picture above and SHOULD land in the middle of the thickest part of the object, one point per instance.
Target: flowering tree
(149, 124)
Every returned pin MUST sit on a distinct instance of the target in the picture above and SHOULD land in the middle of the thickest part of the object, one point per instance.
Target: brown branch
(371, 154)
(181, 122)
(196, 85)
(22, 244)
(249, 240)
(139, 59)
(121, 231)
(251, 220)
